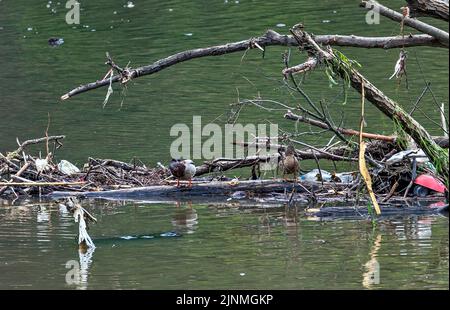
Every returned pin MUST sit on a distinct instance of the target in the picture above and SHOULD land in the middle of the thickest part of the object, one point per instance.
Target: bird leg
(190, 182)
(178, 182)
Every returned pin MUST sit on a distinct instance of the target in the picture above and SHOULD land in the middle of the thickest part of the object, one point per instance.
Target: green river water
(199, 245)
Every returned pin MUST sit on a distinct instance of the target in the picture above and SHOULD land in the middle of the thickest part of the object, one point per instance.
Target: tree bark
(270, 38)
(439, 34)
(441, 141)
(437, 155)
(432, 8)
(214, 189)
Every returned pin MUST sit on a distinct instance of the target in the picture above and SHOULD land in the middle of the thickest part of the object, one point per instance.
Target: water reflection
(372, 275)
(85, 256)
(276, 242)
(185, 220)
(78, 272)
(43, 214)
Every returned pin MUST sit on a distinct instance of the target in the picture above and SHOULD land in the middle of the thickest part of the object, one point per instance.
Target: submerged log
(335, 202)
(215, 188)
(352, 212)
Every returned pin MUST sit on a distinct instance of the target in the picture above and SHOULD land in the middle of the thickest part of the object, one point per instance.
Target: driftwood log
(270, 38)
(271, 194)
(433, 8)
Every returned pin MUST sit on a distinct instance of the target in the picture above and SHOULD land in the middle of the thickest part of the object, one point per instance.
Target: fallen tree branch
(433, 8)
(441, 141)
(270, 38)
(27, 184)
(310, 64)
(350, 132)
(224, 164)
(222, 188)
(22, 170)
(439, 34)
(437, 155)
(23, 145)
(335, 154)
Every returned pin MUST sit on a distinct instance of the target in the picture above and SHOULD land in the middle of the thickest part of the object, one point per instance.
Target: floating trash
(239, 195)
(242, 274)
(326, 21)
(281, 25)
(189, 34)
(128, 237)
(42, 165)
(314, 176)
(67, 167)
(345, 177)
(398, 157)
(129, 5)
(147, 237)
(169, 234)
(170, 10)
(55, 41)
(30, 28)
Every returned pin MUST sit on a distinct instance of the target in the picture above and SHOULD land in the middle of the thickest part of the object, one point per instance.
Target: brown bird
(182, 169)
(289, 163)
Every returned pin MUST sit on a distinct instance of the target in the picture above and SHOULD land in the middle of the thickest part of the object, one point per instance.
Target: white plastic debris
(42, 165)
(398, 157)
(314, 176)
(400, 66)
(82, 231)
(67, 167)
(345, 177)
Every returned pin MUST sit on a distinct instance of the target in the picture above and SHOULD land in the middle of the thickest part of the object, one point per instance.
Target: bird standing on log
(182, 170)
(289, 163)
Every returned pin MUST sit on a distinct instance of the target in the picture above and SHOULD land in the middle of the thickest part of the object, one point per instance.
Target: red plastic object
(430, 182)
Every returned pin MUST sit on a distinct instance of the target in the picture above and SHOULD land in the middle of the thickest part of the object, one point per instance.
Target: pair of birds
(185, 169)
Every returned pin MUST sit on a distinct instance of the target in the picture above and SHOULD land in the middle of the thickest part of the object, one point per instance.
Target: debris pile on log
(22, 175)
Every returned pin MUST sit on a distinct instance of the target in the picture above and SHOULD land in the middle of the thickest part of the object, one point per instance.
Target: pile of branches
(22, 174)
